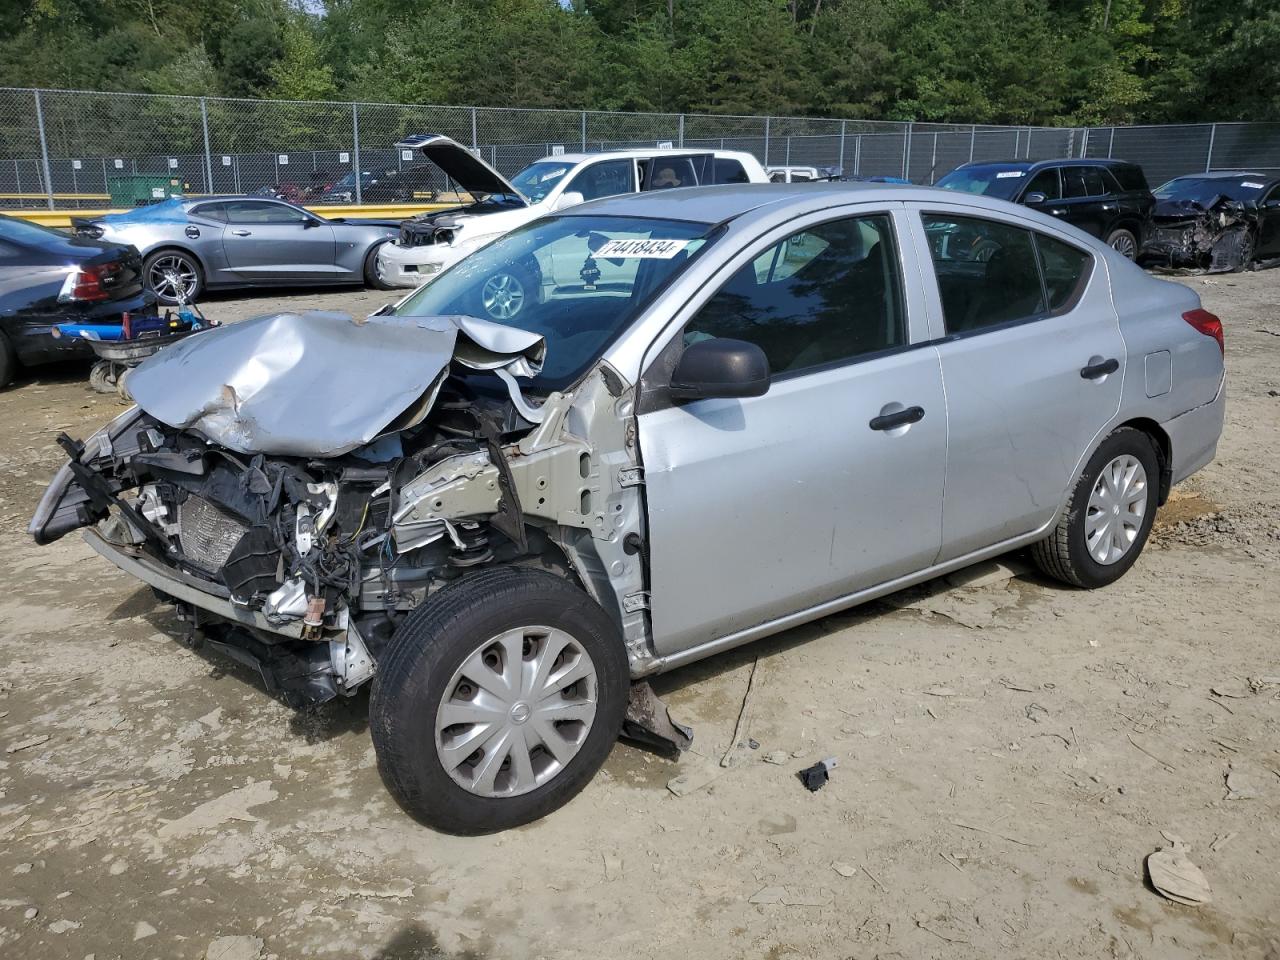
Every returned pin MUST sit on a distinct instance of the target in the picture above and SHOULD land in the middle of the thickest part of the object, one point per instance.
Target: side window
(663, 173)
(1109, 182)
(1073, 183)
(1046, 182)
(987, 272)
(260, 211)
(1066, 271)
(605, 179)
(211, 211)
(729, 171)
(825, 295)
(1093, 185)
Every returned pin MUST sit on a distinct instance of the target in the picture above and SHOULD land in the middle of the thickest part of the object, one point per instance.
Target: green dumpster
(140, 189)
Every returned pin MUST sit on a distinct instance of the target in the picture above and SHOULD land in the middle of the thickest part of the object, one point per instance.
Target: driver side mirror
(1035, 199)
(570, 198)
(720, 367)
(309, 223)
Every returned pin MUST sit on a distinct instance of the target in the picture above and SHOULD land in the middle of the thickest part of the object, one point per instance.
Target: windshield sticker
(1006, 174)
(640, 249)
(1251, 185)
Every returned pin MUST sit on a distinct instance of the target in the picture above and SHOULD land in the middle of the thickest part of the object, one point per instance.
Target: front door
(1032, 359)
(831, 481)
(267, 240)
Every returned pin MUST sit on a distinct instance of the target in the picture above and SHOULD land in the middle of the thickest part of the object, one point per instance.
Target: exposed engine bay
(319, 523)
(1215, 237)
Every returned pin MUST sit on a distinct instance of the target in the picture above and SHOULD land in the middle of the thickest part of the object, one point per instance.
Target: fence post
(906, 152)
(1208, 160)
(933, 163)
(44, 150)
(766, 141)
(584, 131)
(857, 155)
(843, 124)
(681, 131)
(1084, 145)
(973, 139)
(355, 150)
(208, 155)
(475, 140)
(1111, 142)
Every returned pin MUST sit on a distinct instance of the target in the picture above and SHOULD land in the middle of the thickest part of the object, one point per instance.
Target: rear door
(1269, 229)
(1032, 368)
(269, 240)
(1082, 200)
(762, 507)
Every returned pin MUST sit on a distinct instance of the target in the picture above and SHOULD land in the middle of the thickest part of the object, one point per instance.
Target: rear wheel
(497, 701)
(8, 361)
(1124, 243)
(172, 274)
(1109, 515)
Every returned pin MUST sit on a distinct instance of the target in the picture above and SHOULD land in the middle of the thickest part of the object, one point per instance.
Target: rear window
(730, 171)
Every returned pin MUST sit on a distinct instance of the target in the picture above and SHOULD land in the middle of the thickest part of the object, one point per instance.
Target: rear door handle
(241, 233)
(1095, 370)
(887, 421)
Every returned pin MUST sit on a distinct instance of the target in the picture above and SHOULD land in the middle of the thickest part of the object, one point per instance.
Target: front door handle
(887, 421)
(241, 233)
(1100, 369)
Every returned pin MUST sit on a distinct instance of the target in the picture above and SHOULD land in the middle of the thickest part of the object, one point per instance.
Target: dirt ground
(1009, 752)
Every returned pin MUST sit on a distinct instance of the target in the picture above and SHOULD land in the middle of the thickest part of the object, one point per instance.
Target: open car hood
(462, 166)
(320, 384)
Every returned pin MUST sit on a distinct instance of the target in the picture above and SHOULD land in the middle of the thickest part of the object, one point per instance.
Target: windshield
(545, 278)
(1206, 189)
(538, 179)
(999, 180)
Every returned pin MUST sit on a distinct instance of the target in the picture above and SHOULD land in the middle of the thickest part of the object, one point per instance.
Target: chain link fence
(70, 149)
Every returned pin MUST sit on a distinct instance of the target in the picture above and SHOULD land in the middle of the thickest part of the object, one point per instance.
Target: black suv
(1107, 198)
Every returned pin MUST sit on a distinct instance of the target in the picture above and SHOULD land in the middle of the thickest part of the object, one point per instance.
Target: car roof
(1228, 175)
(1044, 164)
(716, 204)
(640, 153)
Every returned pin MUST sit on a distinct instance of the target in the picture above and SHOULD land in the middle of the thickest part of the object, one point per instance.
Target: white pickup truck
(433, 241)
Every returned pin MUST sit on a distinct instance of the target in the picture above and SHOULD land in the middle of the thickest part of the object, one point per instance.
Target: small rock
(28, 743)
(234, 948)
(1177, 878)
(142, 930)
(779, 757)
(612, 867)
(844, 869)
(62, 926)
(22, 868)
(31, 913)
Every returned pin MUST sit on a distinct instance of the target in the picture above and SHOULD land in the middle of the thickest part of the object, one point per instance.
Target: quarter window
(987, 272)
(211, 211)
(825, 295)
(1093, 185)
(1066, 270)
(729, 171)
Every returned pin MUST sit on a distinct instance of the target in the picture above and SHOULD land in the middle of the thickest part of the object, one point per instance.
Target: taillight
(89, 284)
(1208, 324)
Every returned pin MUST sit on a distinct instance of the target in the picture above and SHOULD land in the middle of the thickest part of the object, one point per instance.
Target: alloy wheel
(1124, 245)
(1117, 507)
(516, 712)
(172, 278)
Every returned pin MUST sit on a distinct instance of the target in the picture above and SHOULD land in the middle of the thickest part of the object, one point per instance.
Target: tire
(507, 293)
(372, 275)
(102, 377)
(1067, 553)
(1233, 253)
(1124, 243)
(429, 667)
(156, 270)
(8, 362)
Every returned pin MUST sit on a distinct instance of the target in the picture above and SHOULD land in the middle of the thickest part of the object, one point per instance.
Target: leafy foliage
(968, 61)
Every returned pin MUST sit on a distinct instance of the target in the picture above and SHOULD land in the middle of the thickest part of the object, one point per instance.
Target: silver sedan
(197, 244)
(720, 415)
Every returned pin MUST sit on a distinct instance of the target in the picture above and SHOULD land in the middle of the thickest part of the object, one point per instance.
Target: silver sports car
(195, 244)
(752, 407)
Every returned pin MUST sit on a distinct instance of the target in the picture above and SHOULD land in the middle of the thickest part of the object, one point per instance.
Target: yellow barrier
(383, 211)
(56, 196)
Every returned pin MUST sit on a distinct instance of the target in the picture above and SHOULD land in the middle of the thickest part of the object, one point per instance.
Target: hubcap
(172, 278)
(516, 712)
(502, 296)
(1124, 245)
(1116, 509)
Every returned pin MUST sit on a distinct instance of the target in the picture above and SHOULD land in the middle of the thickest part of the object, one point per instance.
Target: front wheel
(374, 273)
(1124, 243)
(1108, 516)
(497, 701)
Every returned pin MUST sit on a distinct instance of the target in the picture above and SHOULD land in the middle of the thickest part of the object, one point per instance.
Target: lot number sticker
(640, 249)
(1005, 174)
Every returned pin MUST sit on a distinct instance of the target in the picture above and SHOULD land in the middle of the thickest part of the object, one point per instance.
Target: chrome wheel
(1116, 509)
(502, 296)
(173, 278)
(516, 712)
(1124, 244)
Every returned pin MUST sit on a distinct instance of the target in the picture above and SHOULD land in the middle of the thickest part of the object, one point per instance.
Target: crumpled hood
(1186, 208)
(319, 384)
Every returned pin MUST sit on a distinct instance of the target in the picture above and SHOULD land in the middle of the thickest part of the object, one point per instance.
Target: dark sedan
(1107, 198)
(47, 277)
(1221, 221)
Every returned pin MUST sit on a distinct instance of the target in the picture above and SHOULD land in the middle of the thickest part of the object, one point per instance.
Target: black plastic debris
(815, 778)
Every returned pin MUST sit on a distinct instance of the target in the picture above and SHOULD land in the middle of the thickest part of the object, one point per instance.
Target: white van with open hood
(431, 242)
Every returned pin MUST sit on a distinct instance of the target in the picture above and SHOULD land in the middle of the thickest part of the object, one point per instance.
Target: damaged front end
(1216, 236)
(313, 513)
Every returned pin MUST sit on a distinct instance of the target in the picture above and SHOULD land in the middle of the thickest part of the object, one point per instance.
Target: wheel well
(1164, 451)
(175, 248)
